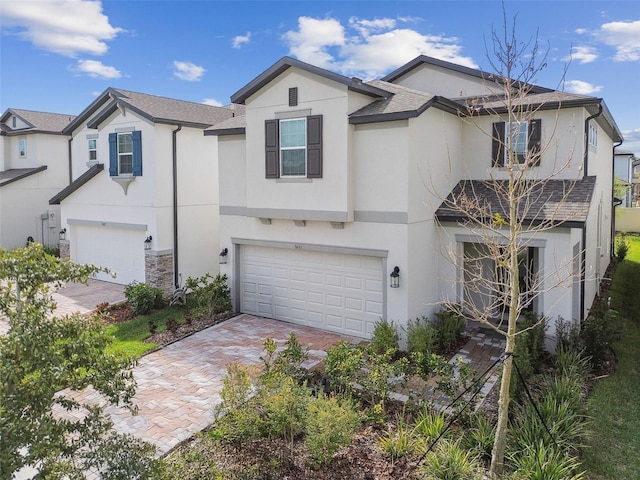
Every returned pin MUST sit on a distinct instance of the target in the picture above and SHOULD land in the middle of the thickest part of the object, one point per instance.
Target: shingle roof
(552, 99)
(15, 174)
(154, 108)
(554, 202)
(232, 126)
(38, 121)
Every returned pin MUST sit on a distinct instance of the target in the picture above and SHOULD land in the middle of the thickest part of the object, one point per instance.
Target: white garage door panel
(120, 250)
(336, 292)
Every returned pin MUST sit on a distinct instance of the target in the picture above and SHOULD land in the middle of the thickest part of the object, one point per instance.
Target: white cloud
(240, 40)
(624, 37)
(97, 69)
(310, 43)
(581, 31)
(582, 54)
(631, 141)
(212, 101)
(66, 27)
(367, 48)
(580, 87)
(188, 71)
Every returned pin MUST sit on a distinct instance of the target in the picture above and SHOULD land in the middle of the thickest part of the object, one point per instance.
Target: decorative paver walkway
(179, 385)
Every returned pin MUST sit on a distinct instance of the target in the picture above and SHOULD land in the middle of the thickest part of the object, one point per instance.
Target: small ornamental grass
(450, 461)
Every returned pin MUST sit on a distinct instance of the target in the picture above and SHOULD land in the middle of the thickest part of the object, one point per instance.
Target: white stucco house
(333, 188)
(144, 197)
(33, 167)
(625, 170)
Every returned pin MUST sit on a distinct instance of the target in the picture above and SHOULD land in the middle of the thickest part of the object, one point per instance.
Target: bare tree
(516, 204)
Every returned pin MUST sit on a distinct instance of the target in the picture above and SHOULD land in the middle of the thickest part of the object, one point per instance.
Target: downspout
(70, 162)
(584, 226)
(175, 207)
(613, 205)
(586, 139)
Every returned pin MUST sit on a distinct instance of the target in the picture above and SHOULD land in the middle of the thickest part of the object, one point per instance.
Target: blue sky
(57, 55)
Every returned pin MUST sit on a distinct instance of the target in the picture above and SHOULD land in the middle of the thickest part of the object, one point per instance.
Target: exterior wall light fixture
(63, 234)
(147, 242)
(395, 277)
(223, 256)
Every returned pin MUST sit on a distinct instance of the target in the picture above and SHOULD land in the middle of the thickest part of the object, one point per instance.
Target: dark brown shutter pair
(535, 140)
(314, 147)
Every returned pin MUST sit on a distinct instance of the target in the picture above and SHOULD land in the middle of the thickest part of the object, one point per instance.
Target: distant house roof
(354, 84)
(554, 202)
(15, 174)
(76, 184)
(233, 126)
(154, 108)
(38, 122)
(424, 59)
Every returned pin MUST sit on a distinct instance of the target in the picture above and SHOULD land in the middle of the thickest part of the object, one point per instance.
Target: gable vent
(293, 96)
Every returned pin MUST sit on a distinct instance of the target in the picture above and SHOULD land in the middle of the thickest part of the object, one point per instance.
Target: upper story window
(22, 147)
(593, 135)
(520, 139)
(293, 147)
(125, 153)
(93, 149)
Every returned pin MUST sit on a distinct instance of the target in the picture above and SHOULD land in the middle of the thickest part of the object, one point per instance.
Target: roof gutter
(70, 162)
(175, 206)
(586, 139)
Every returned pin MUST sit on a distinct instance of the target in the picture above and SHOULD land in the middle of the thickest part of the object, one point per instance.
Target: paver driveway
(179, 385)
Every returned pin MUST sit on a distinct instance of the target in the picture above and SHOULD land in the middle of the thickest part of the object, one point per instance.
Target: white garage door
(120, 250)
(331, 291)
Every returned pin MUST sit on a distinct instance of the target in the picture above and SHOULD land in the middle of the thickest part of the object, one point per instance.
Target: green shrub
(450, 325)
(529, 350)
(600, 331)
(289, 361)
(541, 462)
(431, 425)
(208, 295)
(53, 251)
(572, 363)
(449, 461)
(567, 334)
(399, 443)
(329, 425)
(621, 247)
(480, 437)
(376, 378)
(421, 336)
(143, 297)
(283, 403)
(342, 365)
(385, 338)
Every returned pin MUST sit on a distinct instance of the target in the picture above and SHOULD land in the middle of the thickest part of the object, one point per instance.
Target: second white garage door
(121, 250)
(331, 291)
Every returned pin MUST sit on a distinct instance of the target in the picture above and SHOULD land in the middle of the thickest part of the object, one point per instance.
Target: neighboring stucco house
(329, 183)
(144, 196)
(33, 167)
(626, 172)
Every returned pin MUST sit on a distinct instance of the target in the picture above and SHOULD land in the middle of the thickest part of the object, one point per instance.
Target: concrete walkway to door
(179, 385)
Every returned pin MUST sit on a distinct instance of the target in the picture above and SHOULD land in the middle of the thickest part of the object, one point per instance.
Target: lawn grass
(129, 336)
(614, 404)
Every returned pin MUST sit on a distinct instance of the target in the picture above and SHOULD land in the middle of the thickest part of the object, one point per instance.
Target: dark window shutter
(314, 146)
(293, 96)
(498, 144)
(535, 140)
(113, 154)
(137, 152)
(272, 149)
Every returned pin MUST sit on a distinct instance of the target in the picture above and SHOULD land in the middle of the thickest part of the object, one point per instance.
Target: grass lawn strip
(614, 447)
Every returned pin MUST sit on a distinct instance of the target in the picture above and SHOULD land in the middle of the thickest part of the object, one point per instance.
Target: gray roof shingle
(15, 174)
(555, 202)
(39, 121)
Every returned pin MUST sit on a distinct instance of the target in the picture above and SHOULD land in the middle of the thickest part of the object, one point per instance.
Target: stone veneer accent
(65, 249)
(158, 270)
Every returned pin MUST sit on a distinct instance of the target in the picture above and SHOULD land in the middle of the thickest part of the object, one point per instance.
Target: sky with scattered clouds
(57, 55)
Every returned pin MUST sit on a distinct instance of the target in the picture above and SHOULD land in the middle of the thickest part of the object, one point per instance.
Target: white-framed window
(125, 154)
(593, 135)
(293, 147)
(22, 147)
(516, 138)
(93, 149)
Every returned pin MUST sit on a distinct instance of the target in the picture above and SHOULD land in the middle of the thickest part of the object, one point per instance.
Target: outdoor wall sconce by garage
(147, 242)
(223, 256)
(63, 234)
(395, 277)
